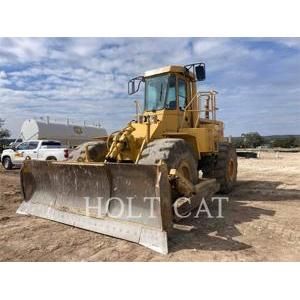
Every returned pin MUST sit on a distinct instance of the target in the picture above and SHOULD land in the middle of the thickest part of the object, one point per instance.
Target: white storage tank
(68, 134)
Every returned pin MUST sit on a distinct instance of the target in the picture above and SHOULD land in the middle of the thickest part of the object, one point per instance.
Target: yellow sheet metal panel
(204, 138)
(167, 69)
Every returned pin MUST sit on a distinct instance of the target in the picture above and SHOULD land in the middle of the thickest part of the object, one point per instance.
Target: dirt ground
(261, 223)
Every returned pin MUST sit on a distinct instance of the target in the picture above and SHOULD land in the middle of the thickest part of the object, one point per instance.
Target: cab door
(32, 151)
(184, 119)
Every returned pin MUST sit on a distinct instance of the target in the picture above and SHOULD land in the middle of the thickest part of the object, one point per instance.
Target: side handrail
(209, 106)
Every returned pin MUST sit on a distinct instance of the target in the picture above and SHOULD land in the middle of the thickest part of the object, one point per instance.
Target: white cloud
(3, 75)
(289, 42)
(22, 50)
(86, 78)
(3, 78)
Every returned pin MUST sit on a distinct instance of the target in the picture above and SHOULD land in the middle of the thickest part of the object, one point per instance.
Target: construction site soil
(261, 223)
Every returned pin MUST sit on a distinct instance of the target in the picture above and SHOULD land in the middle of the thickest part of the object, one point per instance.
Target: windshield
(160, 93)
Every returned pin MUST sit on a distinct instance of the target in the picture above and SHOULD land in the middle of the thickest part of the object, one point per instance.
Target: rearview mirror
(198, 69)
(200, 72)
(131, 87)
(134, 84)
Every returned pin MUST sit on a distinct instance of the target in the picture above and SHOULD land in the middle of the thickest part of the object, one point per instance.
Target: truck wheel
(223, 168)
(7, 164)
(51, 158)
(176, 153)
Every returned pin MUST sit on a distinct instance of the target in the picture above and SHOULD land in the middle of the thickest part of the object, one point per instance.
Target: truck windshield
(160, 92)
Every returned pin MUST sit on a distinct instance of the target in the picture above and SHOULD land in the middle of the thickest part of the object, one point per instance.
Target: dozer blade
(126, 201)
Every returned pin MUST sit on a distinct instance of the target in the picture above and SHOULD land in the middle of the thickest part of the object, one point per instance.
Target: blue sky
(258, 79)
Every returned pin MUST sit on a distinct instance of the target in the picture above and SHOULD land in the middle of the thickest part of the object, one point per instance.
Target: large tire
(223, 167)
(175, 153)
(97, 151)
(7, 164)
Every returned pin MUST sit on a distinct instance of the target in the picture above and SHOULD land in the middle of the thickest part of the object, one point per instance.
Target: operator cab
(169, 87)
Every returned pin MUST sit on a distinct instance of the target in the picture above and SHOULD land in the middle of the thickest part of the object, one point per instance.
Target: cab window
(182, 95)
(23, 146)
(171, 93)
(51, 144)
(160, 92)
(33, 145)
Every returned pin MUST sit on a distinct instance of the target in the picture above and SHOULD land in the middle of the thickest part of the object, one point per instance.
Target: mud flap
(127, 201)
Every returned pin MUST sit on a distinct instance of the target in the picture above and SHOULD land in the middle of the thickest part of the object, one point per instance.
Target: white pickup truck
(33, 149)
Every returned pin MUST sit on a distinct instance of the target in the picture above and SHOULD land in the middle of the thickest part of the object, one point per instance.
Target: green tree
(288, 142)
(4, 133)
(252, 139)
(237, 142)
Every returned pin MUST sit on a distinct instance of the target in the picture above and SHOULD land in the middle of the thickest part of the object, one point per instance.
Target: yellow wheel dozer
(137, 182)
